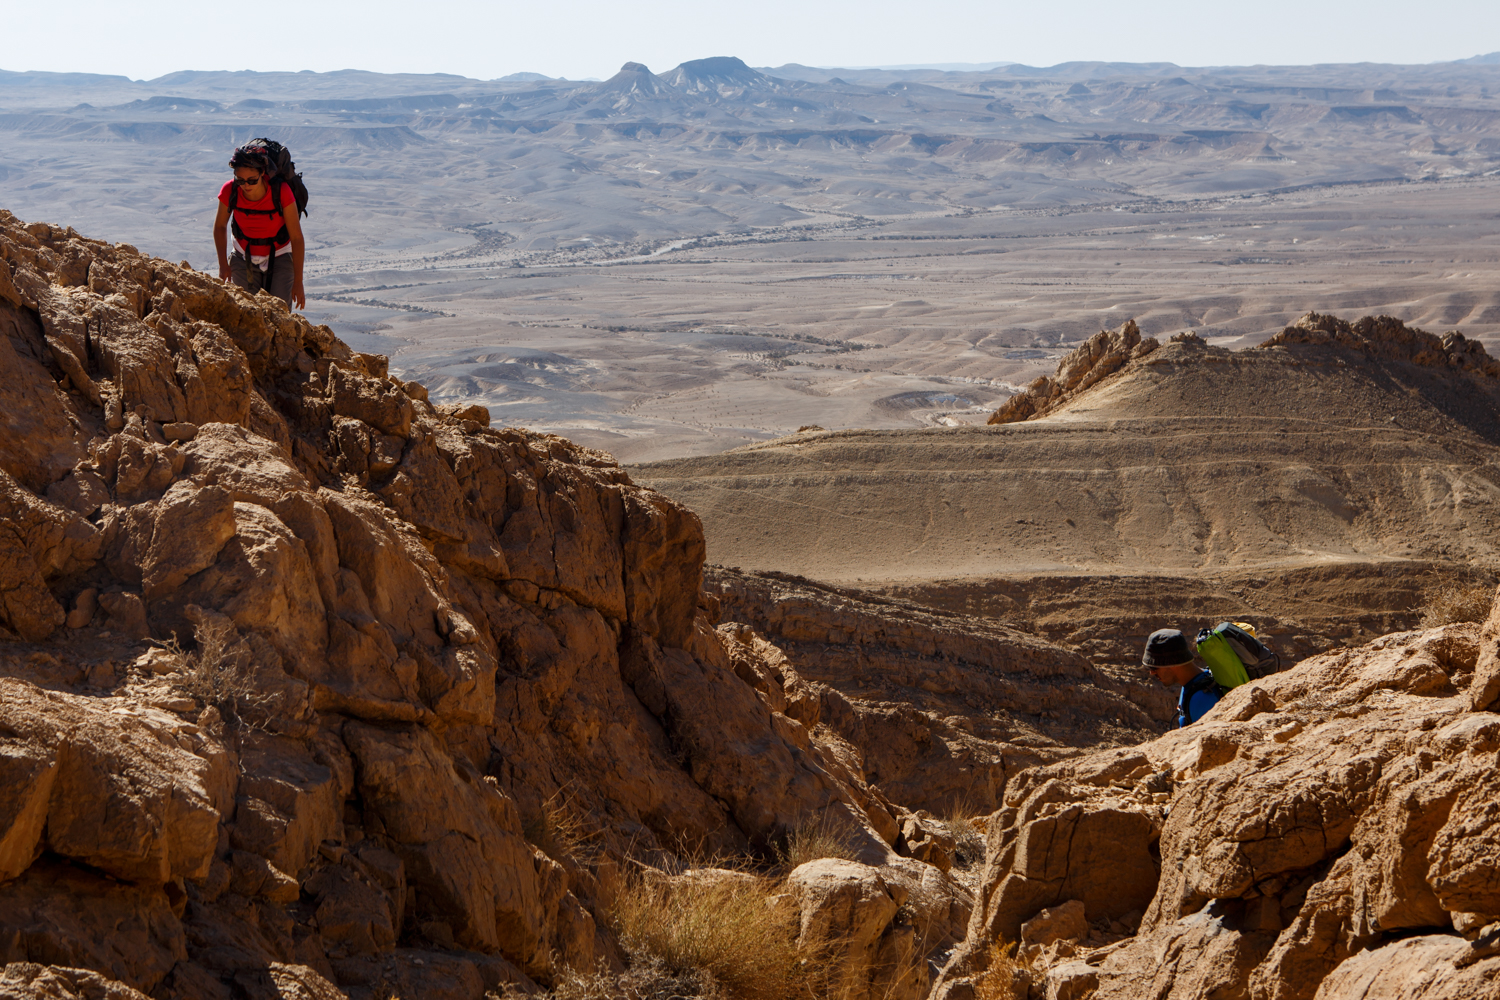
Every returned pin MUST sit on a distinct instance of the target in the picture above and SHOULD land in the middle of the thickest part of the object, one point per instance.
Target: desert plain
(676, 264)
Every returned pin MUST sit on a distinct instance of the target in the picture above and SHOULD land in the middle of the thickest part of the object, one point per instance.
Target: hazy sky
(583, 38)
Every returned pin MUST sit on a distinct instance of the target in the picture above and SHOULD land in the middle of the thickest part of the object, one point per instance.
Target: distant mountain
(938, 72)
(706, 74)
(524, 78)
(168, 104)
(10, 78)
(633, 78)
(1492, 59)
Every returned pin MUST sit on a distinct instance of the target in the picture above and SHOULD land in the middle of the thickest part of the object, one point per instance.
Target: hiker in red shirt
(267, 234)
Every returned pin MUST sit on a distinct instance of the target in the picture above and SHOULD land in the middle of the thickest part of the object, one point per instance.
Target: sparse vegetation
(962, 824)
(558, 830)
(1006, 977)
(1456, 602)
(646, 979)
(815, 839)
(220, 673)
(729, 935)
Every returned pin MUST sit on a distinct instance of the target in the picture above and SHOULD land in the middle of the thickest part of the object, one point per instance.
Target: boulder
(125, 793)
(1430, 967)
(58, 914)
(846, 912)
(30, 981)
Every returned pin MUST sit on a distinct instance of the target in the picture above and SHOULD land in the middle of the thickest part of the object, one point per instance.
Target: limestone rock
(906, 671)
(845, 916)
(125, 797)
(418, 686)
(1419, 968)
(56, 914)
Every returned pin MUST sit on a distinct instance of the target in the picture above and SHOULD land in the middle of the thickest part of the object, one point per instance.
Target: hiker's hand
(224, 272)
(299, 297)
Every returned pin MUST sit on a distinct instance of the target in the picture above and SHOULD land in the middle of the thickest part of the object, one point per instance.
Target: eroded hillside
(312, 689)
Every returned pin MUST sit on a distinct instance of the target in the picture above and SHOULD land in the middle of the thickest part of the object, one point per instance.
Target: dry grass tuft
(1006, 977)
(646, 979)
(1456, 602)
(726, 934)
(813, 840)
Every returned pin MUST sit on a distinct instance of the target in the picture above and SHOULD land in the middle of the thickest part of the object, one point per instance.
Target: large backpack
(282, 174)
(1235, 655)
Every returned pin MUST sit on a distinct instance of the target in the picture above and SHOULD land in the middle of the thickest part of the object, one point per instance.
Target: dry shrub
(647, 979)
(1006, 977)
(962, 824)
(559, 831)
(726, 934)
(221, 674)
(1456, 602)
(813, 840)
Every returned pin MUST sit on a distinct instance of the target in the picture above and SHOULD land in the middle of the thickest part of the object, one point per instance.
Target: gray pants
(252, 279)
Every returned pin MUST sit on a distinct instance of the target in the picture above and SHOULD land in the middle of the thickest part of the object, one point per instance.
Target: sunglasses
(247, 181)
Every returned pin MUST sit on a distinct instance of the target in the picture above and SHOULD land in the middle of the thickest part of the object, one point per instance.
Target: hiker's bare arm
(294, 229)
(221, 239)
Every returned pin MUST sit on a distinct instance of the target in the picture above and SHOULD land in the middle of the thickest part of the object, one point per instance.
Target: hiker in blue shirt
(1169, 658)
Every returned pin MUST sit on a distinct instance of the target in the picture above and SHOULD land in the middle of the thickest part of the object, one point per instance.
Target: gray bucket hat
(1166, 647)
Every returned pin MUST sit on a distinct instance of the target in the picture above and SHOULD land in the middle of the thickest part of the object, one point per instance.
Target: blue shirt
(1196, 698)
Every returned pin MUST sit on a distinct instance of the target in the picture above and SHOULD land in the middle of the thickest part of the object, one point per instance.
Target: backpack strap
(271, 243)
(1203, 681)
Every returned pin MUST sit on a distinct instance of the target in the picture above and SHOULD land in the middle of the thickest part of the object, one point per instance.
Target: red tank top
(256, 225)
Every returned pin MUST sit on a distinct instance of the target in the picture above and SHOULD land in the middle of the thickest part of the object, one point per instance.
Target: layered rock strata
(1097, 358)
(946, 707)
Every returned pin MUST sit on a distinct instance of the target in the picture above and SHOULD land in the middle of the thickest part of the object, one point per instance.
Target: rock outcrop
(1325, 832)
(1097, 358)
(1389, 339)
(309, 688)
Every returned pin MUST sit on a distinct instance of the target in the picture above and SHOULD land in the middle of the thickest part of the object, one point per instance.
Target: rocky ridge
(1097, 358)
(1376, 338)
(313, 689)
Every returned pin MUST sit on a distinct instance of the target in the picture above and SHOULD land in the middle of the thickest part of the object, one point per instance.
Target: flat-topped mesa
(1390, 339)
(1097, 358)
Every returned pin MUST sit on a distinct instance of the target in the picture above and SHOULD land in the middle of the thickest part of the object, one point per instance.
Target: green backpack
(1235, 655)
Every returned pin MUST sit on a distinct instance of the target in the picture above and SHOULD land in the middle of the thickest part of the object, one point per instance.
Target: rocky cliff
(313, 689)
